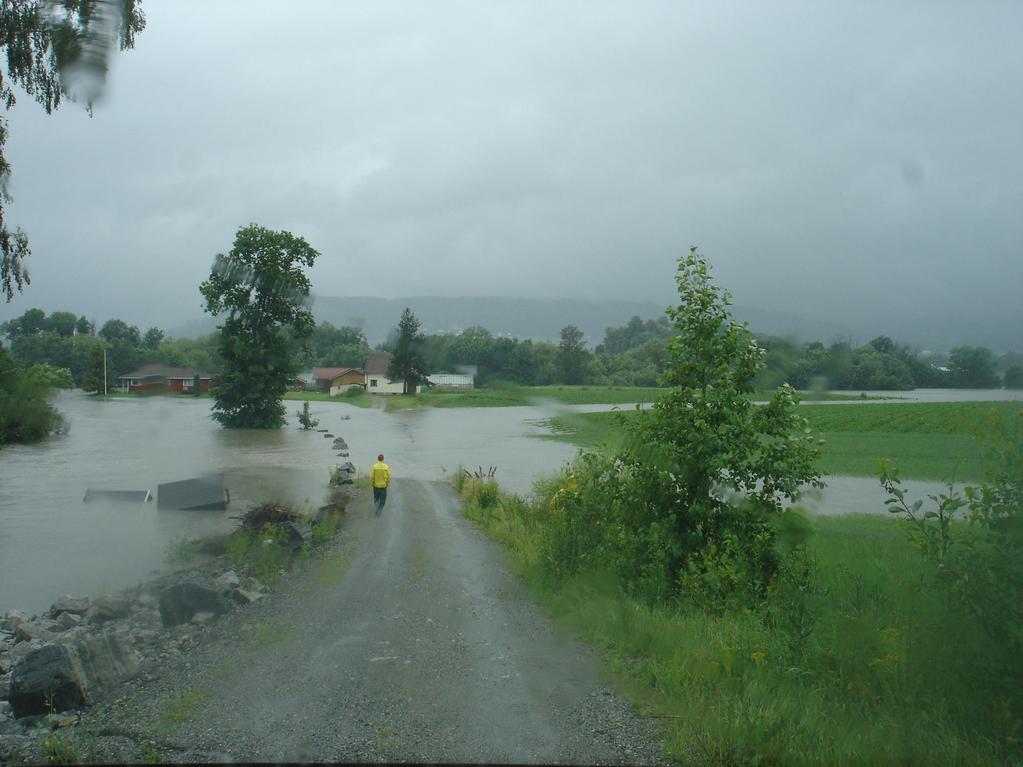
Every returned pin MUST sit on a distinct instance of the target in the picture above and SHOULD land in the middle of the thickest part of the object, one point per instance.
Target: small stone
(5, 711)
(201, 617)
(245, 597)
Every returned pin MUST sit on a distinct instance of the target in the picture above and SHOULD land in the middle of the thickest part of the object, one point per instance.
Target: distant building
(156, 378)
(377, 381)
(334, 381)
(464, 379)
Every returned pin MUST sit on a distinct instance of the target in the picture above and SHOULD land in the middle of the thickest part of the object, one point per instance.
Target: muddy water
(52, 543)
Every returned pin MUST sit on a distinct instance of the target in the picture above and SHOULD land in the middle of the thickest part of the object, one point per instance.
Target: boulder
(43, 631)
(69, 604)
(6, 663)
(178, 603)
(6, 712)
(107, 608)
(11, 620)
(295, 534)
(227, 581)
(69, 620)
(59, 677)
(22, 649)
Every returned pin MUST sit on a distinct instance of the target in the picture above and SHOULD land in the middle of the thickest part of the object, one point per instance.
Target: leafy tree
(408, 363)
(92, 379)
(973, 367)
(51, 377)
(29, 323)
(114, 331)
(262, 289)
(330, 346)
(61, 323)
(305, 418)
(1014, 377)
(83, 327)
(25, 412)
(153, 338)
(572, 355)
(54, 49)
(666, 504)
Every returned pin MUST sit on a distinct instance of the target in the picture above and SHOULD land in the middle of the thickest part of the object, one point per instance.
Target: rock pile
(82, 648)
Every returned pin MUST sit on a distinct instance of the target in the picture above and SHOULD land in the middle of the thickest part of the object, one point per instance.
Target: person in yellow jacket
(381, 476)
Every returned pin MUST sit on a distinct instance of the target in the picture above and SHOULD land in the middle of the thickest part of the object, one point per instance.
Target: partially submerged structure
(197, 494)
(117, 496)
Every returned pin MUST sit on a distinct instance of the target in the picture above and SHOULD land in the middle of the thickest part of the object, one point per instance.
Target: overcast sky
(831, 159)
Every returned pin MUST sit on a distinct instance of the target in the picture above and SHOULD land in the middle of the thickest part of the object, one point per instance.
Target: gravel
(405, 639)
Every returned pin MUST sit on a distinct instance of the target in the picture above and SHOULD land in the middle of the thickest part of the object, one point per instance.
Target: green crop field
(924, 440)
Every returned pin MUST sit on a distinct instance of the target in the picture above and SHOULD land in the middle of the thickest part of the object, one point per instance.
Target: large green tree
(262, 289)
(572, 355)
(54, 49)
(973, 367)
(692, 501)
(408, 363)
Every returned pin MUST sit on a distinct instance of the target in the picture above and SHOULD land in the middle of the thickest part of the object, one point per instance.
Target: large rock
(108, 608)
(58, 677)
(178, 603)
(296, 534)
(227, 581)
(69, 604)
(43, 631)
(69, 620)
(12, 620)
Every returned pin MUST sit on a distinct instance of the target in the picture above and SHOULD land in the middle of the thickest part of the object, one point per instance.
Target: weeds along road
(410, 642)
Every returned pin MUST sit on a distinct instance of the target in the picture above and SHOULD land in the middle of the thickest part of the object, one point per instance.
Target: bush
(978, 564)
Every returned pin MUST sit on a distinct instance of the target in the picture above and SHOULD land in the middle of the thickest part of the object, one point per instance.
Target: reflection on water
(52, 543)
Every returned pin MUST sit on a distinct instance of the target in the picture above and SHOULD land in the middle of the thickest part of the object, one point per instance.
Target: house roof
(329, 374)
(376, 364)
(155, 370)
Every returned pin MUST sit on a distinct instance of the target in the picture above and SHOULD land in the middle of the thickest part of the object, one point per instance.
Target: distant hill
(543, 319)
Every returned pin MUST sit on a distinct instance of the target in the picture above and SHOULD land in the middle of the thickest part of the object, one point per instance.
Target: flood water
(51, 543)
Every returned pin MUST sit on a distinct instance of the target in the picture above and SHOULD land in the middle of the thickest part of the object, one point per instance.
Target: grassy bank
(517, 396)
(358, 398)
(887, 674)
(925, 440)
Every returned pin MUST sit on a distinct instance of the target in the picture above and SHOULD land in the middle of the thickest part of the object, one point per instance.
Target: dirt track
(410, 642)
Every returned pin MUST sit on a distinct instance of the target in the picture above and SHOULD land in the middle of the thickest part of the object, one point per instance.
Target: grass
(932, 441)
(511, 395)
(181, 708)
(357, 398)
(889, 674)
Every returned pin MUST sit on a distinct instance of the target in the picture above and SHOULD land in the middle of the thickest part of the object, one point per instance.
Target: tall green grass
(890, 673)
(931, 441)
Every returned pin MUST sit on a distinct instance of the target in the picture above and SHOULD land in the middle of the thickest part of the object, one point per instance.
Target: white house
(377, 381)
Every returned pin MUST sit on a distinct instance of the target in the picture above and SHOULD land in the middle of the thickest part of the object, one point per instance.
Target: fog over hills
(542, 319)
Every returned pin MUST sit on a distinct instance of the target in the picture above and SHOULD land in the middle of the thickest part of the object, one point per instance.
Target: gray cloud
(833, 161)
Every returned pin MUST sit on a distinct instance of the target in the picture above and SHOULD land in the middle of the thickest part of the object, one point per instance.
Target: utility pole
(104, 371)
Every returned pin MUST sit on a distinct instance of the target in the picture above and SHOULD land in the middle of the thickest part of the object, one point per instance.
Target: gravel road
(409, 641)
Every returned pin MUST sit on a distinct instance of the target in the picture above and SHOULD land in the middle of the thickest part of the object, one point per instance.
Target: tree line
(632, 354)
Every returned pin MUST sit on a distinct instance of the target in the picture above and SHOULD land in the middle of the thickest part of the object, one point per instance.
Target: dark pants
(379, 497)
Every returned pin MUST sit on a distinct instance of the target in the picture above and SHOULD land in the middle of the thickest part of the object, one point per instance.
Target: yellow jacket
(381, 474)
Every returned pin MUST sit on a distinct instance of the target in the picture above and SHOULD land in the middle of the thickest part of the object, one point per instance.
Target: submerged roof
(155, 370)
(196, 494)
